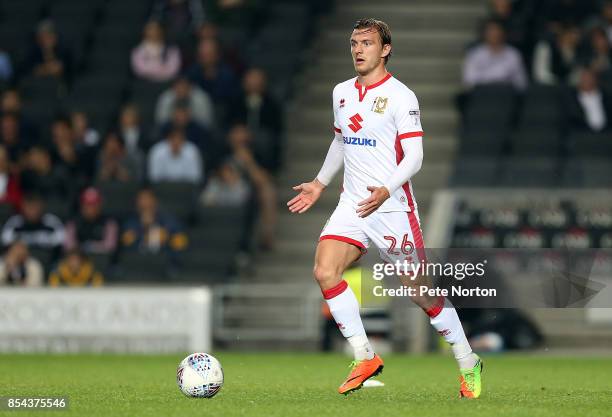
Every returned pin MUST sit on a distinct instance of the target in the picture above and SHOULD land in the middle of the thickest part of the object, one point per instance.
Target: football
(199, 375)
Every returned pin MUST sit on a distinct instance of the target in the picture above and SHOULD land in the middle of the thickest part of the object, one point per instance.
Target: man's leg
(387, 230)
(443, 317)
(332, 258)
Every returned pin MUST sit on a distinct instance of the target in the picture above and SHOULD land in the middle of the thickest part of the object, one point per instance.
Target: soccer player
(378, 138)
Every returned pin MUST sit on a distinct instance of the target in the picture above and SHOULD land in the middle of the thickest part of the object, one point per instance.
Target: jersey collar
(363, 90)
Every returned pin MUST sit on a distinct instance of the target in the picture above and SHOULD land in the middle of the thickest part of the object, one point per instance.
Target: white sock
(446, 321)
(344, 308)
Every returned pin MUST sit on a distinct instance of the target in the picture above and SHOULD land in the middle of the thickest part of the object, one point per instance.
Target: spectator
(240, 138)
(152, 231)
(48, 58)
(76, 270)
(226, 188)
(198, 101)
(92, 231)
(34, 227)
(181, 119)
(236, 13)
(76, 159)
(40, 177)
(555, 60)
(116, 164)
(603, 20)
(83, 133)
(513, 21)
(599, 54)
(11, 103)
(178, 15)
(131, 130)
(6, 67)
(589, 107)
(153, 59)
(559, 12)
(212, 74)
(15, 144)
(18, 268)
(606, 14)
(494, 61)
(10, 188)
(208, 30)
(262, 114)
(175, 159)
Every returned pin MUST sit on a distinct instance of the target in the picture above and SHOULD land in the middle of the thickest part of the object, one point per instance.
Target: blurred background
(148, 148)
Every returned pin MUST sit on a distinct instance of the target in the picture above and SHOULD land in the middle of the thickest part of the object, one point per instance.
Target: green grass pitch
(295, 384)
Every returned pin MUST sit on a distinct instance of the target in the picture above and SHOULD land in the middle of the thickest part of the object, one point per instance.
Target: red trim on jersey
(436, 309)
(409, 135)
(335, 291)
(345, 240)
(417, 236)
(337, 130)
(399, 155)
(363, 90)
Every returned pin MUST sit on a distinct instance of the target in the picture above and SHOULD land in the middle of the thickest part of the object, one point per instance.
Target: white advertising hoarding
(120, 319)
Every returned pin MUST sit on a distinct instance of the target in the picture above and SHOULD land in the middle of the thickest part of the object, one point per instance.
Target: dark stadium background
(89, 196)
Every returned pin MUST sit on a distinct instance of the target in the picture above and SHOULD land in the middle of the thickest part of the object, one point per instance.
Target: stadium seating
(99, 36)
(539, 223)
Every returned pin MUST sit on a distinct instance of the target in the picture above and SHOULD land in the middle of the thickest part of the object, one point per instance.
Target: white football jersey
(371, 121)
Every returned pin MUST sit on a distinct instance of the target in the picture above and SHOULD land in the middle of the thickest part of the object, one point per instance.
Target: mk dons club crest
(380, 105)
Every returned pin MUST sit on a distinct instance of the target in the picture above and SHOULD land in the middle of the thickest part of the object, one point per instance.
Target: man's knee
(326, 276)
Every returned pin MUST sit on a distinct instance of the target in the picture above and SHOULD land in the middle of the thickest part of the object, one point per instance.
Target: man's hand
(373, 202)
(309, 194)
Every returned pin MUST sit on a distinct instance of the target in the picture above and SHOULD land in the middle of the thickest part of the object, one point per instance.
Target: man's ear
(386, 50)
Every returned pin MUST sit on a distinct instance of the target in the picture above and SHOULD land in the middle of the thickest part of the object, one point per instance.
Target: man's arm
(333, 162)
(407, 117)
(311, 191)
(406, 169)
(409, 166)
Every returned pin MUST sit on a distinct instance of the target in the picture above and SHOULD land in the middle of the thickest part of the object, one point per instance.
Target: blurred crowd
(563, 43)
(215, 125)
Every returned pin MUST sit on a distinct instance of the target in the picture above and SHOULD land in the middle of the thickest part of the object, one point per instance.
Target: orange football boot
(361, 371)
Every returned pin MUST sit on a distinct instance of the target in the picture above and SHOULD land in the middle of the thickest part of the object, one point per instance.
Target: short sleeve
(336, 126)
(408, 116)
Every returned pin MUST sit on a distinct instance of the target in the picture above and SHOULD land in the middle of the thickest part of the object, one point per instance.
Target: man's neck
(372, 77)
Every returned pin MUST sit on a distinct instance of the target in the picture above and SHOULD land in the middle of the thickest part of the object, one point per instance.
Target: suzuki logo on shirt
(355, 126)
(359, 141)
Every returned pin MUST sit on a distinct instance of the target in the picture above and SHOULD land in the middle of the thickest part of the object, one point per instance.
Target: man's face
(4, 160)
(129, 117)
(587, 81)
(32, 210)
(502, 7)
(146, 203)
(182, 88)
(10, 129)
(90, 211)
(208, 52)
(176, 142)
(11, 102)
(181, 117)
(74, 262)
(47, 39)
(367, 50)
(61, 132)
(255, 82)
(494, 35)
(239, 136)
(607, 12)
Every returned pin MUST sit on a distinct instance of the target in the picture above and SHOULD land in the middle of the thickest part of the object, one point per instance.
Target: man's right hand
(309, 194)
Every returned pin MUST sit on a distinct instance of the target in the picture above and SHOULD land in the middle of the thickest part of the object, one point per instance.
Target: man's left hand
(373, 202)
